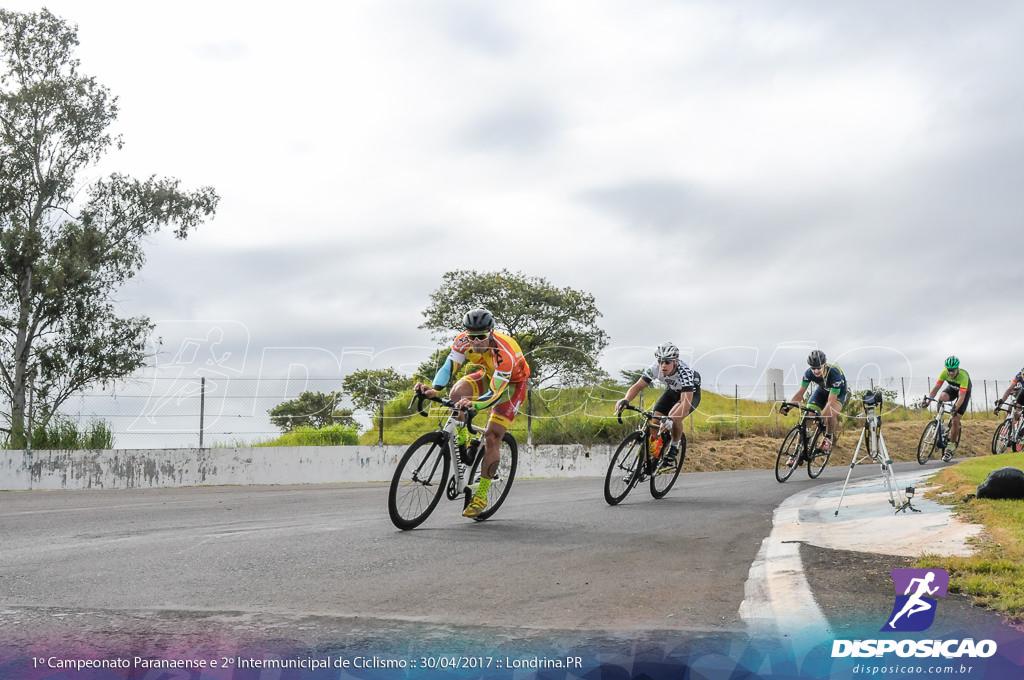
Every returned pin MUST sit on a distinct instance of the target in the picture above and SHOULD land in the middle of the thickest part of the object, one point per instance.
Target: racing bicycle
(801, 445)
(1010, 432)
(422, 475)
(639, 458)
(936, 433)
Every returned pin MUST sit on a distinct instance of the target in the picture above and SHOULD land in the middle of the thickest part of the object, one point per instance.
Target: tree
(371, 388)
(65, 251)
(556, 327)
(312, 409)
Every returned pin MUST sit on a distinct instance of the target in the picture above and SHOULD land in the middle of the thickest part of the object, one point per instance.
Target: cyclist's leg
(830, 412)
(669, 403)
(954, 426)
(471, 386)
(687, 404)
(666, 403)
(502, 415)
(817, 402)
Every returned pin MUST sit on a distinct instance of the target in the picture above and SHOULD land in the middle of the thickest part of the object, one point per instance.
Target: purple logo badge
(916, 590)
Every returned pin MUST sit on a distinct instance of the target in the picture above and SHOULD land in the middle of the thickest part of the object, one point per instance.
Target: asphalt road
(233, 563)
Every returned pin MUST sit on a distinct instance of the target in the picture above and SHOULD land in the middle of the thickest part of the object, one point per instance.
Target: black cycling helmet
(478, 320)
(666, 351)
(816, 359)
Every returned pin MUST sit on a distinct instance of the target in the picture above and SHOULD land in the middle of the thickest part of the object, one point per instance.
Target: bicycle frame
(460, 471)
(943, 408)
(805, 447)
(633, 462)
(422, 476)
(646, 428)
(939, 427)
(1014, 425)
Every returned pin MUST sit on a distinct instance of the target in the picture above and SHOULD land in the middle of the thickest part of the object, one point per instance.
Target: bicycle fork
(461, 475)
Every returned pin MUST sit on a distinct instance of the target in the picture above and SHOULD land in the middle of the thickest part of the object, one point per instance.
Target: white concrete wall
(127, 468)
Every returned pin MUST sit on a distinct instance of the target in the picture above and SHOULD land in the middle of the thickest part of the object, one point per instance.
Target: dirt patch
(705, 454)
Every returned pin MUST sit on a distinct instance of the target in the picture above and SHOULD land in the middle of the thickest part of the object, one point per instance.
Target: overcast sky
(736, 177)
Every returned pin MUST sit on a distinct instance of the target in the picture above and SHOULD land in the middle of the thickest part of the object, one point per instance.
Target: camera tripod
(877, 451)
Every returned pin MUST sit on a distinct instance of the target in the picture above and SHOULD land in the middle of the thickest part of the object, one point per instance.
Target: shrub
(63, 435)
(330, 435)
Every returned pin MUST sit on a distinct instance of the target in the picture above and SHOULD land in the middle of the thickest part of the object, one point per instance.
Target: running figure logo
(914, 609)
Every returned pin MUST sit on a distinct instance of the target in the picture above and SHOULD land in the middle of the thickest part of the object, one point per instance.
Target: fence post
(737, 411)
(380, 410)
(984, 385)
(903, 388)
(202, 408)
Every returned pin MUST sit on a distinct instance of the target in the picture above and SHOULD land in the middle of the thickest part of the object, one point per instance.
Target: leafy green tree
(371, 388)
(312, 409)
(63, 250)
(630, 376)
(556, 327)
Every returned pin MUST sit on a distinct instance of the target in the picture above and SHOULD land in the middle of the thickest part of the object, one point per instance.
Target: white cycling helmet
(666, 351)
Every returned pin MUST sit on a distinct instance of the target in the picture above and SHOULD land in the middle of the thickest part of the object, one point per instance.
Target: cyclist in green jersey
(958, 386)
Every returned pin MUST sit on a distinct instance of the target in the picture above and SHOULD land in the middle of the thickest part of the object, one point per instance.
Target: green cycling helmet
(952, 363)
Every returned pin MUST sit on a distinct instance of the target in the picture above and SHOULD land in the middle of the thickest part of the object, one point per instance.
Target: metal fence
(216, 410)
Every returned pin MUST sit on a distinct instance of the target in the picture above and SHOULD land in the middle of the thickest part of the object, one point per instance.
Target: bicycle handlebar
(417, 404)
(944, 404)
(1007, 405)
(647, 414)
(805, 409)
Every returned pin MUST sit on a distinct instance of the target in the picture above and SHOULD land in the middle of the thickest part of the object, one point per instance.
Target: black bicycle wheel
(665, 477)
(419, 481)
(816, 458)
(1001, 437)
(789, 455)
(624, 468)
(929, 442)
(502, 482)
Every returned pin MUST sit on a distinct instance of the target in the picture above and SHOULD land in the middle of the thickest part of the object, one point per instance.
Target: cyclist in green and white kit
(958, 386)
(830, 393)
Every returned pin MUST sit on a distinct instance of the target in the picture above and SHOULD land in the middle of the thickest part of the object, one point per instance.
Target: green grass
(584, 416)
(332, 435)
(994, 575)
(65, 435)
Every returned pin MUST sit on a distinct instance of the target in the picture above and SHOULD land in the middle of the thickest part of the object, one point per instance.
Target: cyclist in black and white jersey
(680, 398)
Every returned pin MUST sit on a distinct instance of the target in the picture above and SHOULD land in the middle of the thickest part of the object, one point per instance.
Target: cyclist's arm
(499, 381)
(445, 373)
(642, 383)
(636, 388)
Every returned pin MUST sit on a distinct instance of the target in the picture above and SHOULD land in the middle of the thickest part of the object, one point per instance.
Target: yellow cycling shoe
(475, 507)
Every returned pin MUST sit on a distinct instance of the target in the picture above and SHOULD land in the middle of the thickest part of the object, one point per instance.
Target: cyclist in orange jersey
(500, 385)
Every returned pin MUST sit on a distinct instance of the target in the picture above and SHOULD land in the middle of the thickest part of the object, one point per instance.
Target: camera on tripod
(871, 401)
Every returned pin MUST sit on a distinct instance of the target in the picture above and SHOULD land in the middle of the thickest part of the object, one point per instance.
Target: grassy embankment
(994, 575)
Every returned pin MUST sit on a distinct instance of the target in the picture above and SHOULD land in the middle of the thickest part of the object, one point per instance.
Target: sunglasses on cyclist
(477, 336)
(665, 362)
